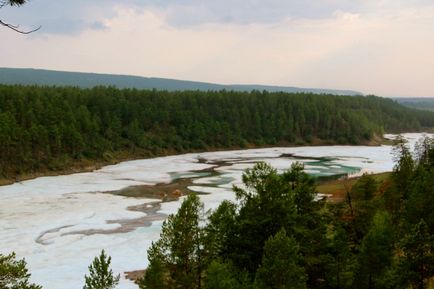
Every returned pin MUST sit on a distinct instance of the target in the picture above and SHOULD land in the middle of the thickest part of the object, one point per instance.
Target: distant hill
(423, 103)
(26, 76)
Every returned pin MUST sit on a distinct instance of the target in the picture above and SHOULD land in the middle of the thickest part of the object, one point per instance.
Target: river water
(60, 223)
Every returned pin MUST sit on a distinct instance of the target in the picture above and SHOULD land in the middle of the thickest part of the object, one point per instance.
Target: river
(60, 223)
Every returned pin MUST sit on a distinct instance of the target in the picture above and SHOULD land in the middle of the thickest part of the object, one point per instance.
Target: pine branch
(16, 28)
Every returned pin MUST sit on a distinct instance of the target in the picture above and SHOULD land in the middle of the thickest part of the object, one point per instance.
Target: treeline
(278, 236)
(51, 127)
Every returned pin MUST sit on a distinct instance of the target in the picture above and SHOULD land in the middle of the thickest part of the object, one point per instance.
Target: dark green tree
(14, 274)
(416, 264)
(267, 205)
(176, 259)
(375, 254)
(100, 274)
(280, 267)
(220, 230)
(340, 273)
(404, 165)
(366, 187)
(224, 275)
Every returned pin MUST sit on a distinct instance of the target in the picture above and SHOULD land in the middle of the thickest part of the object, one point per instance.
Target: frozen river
(60, 223)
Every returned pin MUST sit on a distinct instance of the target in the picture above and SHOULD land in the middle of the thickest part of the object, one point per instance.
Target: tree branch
(15, 28)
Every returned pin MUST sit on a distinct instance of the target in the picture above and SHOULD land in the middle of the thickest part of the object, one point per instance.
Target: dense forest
(50, 128)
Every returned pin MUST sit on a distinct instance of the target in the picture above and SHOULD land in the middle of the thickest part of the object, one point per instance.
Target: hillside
(89, 80)
(50, 128)
(423, 103)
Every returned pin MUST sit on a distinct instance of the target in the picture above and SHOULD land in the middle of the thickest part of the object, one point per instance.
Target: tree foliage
(375, 253)
(176, 260)
(416, 264)
(14, 274)
(280, 267)
(100, 274)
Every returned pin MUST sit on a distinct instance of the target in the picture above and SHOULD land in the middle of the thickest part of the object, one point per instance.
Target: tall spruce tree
(100, 274)
(280, 267)
(176, 259)
(266, 205)
(375, 254)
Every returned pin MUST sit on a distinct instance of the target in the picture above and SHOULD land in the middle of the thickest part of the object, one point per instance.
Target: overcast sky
(383, 47)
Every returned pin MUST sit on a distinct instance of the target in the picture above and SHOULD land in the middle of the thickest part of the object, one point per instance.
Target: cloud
(72, 17)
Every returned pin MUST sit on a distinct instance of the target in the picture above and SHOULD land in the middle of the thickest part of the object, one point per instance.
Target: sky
(382, 47)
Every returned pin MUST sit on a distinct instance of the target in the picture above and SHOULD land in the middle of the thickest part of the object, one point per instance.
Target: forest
(52, 128)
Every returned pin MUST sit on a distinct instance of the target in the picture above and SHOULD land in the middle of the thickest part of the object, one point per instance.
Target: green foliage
(404, 164)
(416, 264)
(100, 274)
(339, 270)
(14, 274)
(375, 254)
(268, 202)
(280, 267)
(220, 230)
(224, 275)
(52, 127)
(176, 259)
(267, 205)
(365, 188)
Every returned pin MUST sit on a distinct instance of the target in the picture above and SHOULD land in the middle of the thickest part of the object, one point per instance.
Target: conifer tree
(375, 254)
(416, 266)
(14, 274)
(176, 259)
(100, 274)
(280, 268)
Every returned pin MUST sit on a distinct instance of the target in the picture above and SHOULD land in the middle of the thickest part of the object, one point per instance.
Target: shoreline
(85, 165)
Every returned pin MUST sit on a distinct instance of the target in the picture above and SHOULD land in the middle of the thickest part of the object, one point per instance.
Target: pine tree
(279, 268)
(176, 259)
(225, 275)
(14, 274)
(416, 265)
(100, 274)
(375, 254)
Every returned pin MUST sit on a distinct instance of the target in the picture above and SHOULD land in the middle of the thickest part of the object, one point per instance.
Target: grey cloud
(69, 17)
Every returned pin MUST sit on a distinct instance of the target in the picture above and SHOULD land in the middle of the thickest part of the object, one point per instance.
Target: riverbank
(337, 189)
(72, 166)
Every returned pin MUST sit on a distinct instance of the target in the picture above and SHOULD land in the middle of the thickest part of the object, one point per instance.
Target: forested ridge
(48, 128)
(42, 77)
